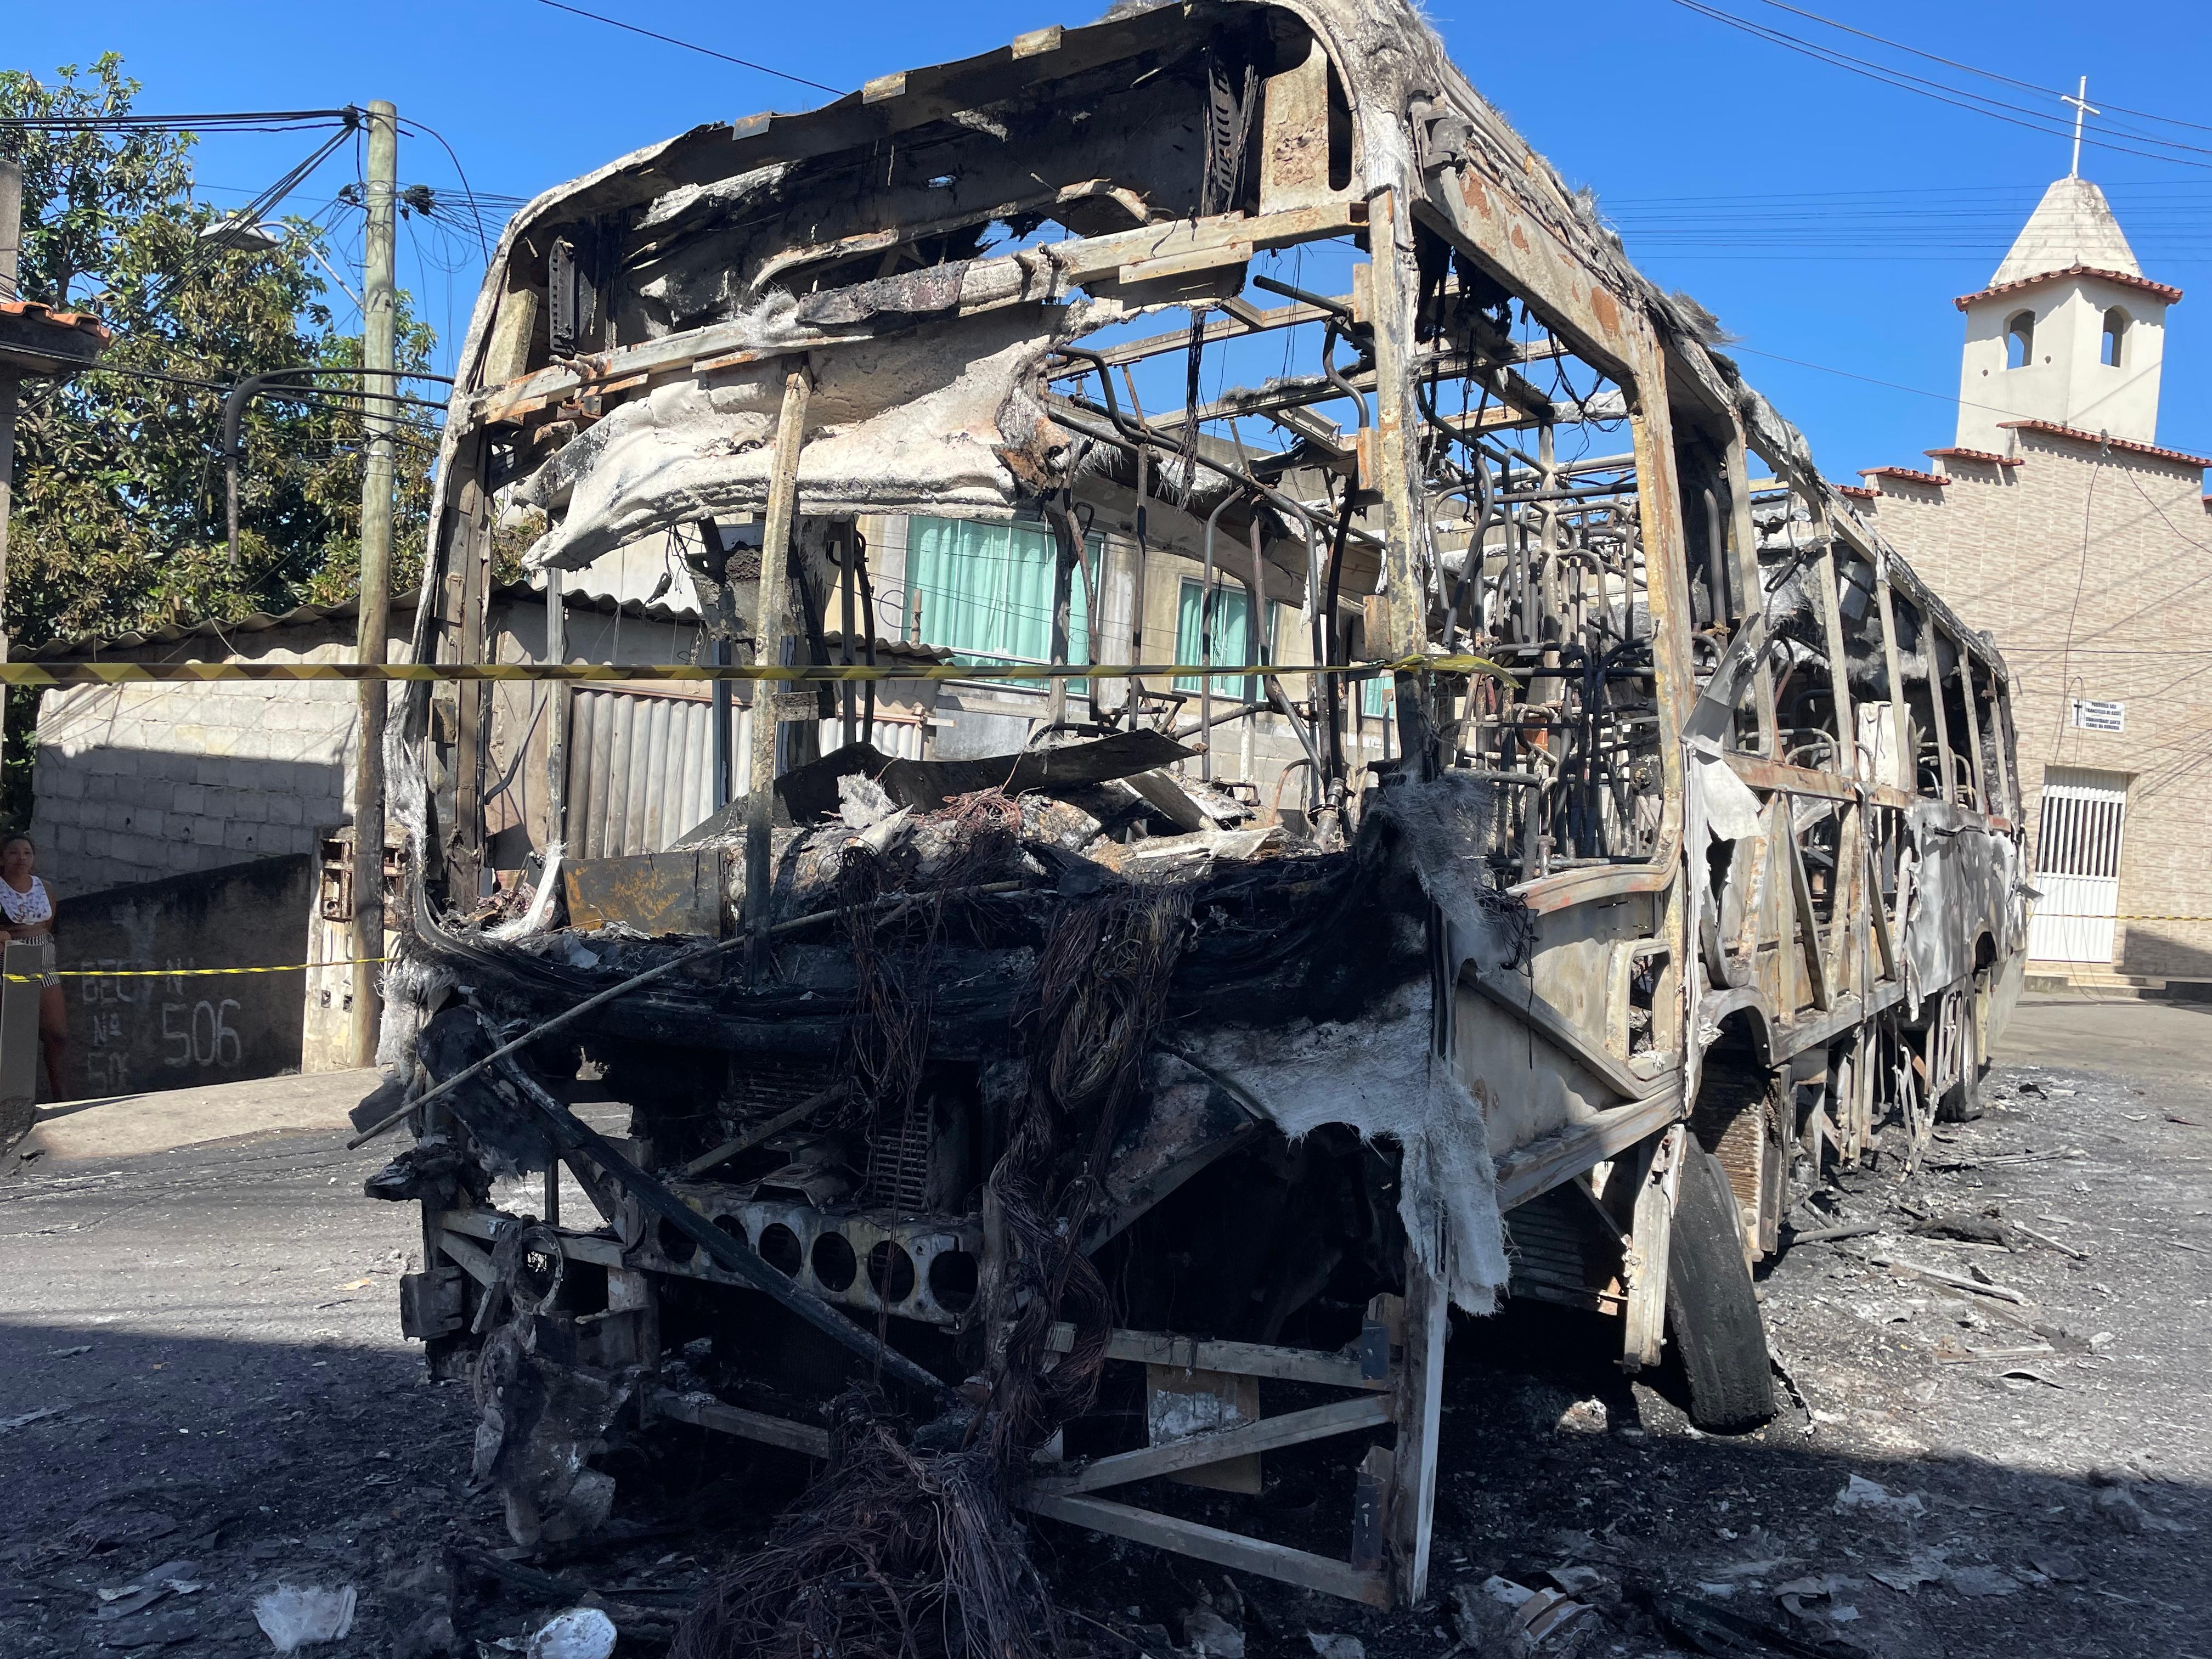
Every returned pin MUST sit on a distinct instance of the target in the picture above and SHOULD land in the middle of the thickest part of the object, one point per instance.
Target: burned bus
(1502, 826)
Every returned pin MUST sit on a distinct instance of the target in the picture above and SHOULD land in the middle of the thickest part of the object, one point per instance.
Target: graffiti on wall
(194, 1029)
(144, 1017)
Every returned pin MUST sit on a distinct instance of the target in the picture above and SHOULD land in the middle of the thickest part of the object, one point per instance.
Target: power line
(230, 121)
(1894, 386)
(204, 247)
(251, 214)
(225, 386)
(690, 45)
(1933, 193)
(409, 124)
(1987, 74)
(1957, 97)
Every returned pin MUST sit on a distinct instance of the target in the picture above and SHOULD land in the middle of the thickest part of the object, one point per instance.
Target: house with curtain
(983, 592)
(176, 818)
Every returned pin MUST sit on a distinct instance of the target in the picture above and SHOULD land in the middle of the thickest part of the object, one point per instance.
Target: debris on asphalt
(150, 1631)
(293, 1617)
(2058, 1244)
(1986, 1228)
(1541, 1619)
(1826, 1235)
(2118, 1505)
(171, 1577)
(1982, 1580)
(2059, 1569)
(579, 1633)
(1708, 1627)
(1982, 1286)
(1211, 1636)
(1923, 1567)
(1860, 1493)
(1584, 1417)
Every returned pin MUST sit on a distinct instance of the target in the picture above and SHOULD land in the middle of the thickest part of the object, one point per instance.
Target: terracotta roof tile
(33, 311)
(1904, 473)
(1986, 457)
(2053, 429)
(2166, 291)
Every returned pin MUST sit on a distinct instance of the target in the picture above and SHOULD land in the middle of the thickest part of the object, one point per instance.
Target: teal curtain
(1231, 604)
(986, 590)
(1376, 700)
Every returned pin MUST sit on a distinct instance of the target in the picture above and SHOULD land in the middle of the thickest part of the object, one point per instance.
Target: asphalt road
(215, 1331)
(204, 1342)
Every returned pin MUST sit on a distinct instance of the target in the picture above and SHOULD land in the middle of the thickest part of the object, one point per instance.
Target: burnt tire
(1713, 1325)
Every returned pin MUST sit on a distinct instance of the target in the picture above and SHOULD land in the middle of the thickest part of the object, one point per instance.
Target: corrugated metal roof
(92, 646)
(641, 770)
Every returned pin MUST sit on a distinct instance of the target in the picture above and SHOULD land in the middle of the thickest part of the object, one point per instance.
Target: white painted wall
(2067, 382)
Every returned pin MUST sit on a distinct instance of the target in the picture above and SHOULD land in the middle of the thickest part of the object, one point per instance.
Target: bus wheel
(1712, 1317)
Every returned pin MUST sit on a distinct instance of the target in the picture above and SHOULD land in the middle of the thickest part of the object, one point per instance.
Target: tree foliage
(120, 517)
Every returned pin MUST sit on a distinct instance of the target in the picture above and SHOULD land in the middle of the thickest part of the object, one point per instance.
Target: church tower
(2069, 331)
(2057, 520)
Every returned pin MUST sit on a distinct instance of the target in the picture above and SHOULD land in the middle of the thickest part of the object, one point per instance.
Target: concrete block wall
(2089, 568)
(139, 782)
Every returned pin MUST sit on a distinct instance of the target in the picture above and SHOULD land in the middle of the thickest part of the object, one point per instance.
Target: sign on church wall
(2092, 715)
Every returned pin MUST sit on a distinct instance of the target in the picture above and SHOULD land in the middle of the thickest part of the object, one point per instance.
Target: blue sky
(1824, 218)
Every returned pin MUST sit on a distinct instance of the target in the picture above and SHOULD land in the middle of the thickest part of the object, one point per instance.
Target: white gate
(2077, 864)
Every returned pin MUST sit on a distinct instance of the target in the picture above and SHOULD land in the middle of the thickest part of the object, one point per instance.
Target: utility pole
(379, 419)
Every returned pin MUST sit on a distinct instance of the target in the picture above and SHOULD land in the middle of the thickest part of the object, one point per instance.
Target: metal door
(2077, 864)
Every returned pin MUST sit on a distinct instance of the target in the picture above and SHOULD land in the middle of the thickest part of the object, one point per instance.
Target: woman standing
(27, 909)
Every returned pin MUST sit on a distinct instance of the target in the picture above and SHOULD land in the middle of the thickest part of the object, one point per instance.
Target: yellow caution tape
(181, 973)
(130, 673)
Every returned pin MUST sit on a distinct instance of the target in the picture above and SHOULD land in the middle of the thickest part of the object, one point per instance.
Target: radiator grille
(1550, 1241)
(898, 1156)
(763, 1085)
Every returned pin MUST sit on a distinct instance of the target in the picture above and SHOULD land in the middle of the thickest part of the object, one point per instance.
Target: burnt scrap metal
(1124, 1119)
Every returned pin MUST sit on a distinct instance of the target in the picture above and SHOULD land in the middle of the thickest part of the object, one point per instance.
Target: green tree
(120, 517)
(119, 521)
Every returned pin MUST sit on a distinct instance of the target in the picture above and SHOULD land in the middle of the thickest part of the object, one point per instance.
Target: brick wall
(2092, 572)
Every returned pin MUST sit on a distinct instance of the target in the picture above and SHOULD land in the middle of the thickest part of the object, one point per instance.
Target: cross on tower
(2081, 102)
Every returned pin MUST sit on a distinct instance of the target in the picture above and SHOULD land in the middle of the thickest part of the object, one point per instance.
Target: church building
(2055, 520)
